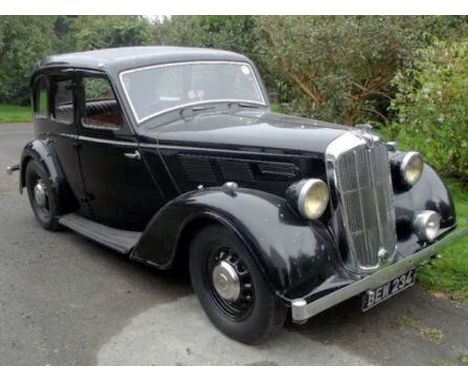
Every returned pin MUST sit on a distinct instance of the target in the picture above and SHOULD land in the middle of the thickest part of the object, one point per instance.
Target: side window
(41, 99)
(63, 110)
(101, 107)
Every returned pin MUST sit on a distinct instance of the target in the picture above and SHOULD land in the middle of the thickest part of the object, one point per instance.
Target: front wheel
(231, 288)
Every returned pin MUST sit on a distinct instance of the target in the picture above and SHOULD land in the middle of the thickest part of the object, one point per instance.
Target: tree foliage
(431, 106)
(340, 67)
(97, 32)
(221, 32)
(337, 68)
(23, 41)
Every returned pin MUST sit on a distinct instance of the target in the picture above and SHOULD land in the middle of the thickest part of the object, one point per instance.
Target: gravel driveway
(67, 301)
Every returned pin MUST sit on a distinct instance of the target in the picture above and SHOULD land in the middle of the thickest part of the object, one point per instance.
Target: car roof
(115, 60)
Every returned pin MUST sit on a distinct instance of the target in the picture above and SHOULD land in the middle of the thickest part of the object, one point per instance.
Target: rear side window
(41, 99)
(63, 100)
(101, 107)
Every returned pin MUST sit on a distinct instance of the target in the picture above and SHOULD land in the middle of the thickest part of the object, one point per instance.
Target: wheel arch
(40, 151)
(24, 163)
(187, 234)
(292, 253)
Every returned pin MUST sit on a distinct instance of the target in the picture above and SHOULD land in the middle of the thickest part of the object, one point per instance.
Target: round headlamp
(411, 168)
(310, 197)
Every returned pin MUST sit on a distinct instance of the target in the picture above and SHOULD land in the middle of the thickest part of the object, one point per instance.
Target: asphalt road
(67, 301)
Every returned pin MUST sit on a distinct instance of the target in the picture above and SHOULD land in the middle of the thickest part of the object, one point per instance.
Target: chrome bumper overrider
(301, 310)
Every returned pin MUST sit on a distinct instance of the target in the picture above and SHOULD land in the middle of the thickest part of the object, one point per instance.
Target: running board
(117, 239)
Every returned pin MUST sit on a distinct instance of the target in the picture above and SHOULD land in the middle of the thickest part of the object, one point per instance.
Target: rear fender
(41, 151)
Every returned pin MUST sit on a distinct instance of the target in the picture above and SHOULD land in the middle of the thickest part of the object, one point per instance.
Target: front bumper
(302, 310)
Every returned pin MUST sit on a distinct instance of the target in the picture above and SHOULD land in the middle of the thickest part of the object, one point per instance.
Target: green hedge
(431, 105)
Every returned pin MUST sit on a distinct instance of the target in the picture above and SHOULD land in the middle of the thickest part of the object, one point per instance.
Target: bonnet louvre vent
(279, 170)
(210, 170)
(237, 171)
(198, 169)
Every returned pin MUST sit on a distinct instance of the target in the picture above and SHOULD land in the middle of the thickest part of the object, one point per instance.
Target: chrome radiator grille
(362, 182)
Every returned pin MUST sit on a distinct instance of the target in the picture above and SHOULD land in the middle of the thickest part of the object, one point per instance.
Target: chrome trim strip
(215, 150)
(301, 310)
(175, 147)
(139, 121)
(67, 135)
(99, 140)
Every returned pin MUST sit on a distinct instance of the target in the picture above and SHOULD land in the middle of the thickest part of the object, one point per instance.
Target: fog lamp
(427, 225)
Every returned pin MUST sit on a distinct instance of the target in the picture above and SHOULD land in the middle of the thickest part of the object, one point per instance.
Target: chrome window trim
(141, 120)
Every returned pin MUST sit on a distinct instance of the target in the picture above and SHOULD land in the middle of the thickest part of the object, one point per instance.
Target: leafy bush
(98, 32)
(431, 107)
(234, 33)
(23, 41)
(331, 67)
(338, 68)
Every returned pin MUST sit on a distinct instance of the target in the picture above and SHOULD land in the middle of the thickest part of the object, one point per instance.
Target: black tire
(257, 313)
(46, 215)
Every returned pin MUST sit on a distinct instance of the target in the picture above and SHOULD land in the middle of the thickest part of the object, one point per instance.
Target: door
(60, 127)
(120, 190)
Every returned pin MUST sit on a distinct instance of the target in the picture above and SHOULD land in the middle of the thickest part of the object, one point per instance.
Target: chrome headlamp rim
(408, 157)
(303, 194)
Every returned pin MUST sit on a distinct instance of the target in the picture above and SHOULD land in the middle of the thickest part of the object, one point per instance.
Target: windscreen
(157, 89)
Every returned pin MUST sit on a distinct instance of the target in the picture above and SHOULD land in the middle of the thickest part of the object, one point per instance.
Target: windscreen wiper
(202, 108)
(187, 112)
(248, 105)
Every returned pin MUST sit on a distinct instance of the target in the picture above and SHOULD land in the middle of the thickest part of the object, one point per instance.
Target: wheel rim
(229, 283)
(40, 197)
(39, 192)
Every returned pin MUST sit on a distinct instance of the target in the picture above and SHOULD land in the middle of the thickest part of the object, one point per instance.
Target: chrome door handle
(135, 155)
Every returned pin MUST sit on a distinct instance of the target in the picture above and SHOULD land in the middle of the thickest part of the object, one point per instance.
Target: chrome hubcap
(40, 194)
(226, 281)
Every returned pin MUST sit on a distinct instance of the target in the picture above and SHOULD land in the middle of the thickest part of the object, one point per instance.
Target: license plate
(375, 296)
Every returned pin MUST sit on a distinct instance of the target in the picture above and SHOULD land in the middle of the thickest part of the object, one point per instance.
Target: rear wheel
(231, 288)
(41, 195)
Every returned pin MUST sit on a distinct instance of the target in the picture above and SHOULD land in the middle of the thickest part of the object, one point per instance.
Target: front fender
(295, 255)
(430, 193)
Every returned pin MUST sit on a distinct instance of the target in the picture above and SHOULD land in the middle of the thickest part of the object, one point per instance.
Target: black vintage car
(172, 155)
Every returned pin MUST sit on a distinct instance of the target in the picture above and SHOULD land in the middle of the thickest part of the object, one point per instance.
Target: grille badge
(383, 254)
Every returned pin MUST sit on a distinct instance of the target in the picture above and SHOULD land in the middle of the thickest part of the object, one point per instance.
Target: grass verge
(14, 113)
(449, 275)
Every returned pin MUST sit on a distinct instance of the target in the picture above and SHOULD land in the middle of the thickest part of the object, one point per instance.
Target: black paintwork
(293, 253)
(186, 158)
(115, 60)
